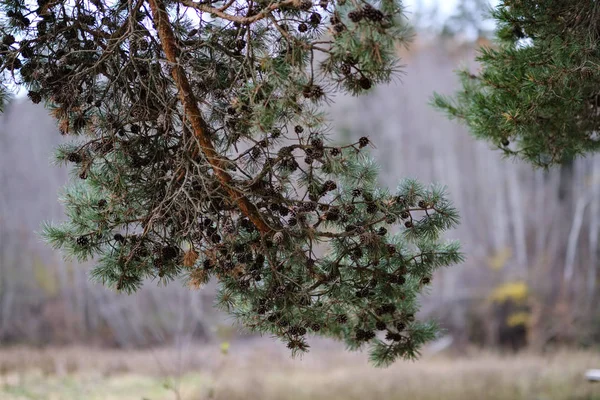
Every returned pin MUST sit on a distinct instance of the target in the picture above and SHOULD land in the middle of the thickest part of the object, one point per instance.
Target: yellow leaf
(225, 347)
(518, 318)
(515, 291)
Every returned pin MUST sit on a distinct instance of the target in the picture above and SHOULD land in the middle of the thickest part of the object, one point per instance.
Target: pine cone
(372, 13)
(305, 5)
(34, 96)
(278, 238)
(355, 15)
(74, 158)
(315, 19)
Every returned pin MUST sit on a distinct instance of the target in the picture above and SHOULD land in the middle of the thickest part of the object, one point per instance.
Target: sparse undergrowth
(259, 372)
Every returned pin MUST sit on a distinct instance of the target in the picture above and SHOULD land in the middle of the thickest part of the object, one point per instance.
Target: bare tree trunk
(594, 230)
(573, 238)
(517, 216)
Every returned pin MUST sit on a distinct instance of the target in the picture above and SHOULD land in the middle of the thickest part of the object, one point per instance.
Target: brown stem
(192, 113)
(242, 20)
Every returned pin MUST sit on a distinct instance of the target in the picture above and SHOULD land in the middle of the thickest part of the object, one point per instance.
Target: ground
(264, 371)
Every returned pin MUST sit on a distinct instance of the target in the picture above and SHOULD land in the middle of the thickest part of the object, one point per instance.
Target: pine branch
(192, 112)
(216, 162)
(536, 97)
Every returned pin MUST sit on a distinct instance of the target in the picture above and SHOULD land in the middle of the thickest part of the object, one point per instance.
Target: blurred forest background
(531, 237)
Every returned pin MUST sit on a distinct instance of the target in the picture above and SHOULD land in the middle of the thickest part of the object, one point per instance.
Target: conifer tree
(201, 150)
(536, 96)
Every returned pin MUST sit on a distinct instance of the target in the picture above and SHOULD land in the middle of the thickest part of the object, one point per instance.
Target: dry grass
(262, 371)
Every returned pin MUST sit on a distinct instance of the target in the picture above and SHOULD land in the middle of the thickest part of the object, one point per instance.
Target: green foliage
(536, 96)
(295, 228)
(4, 97)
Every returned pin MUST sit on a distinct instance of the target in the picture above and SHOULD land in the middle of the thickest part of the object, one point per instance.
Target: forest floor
(266, 372)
